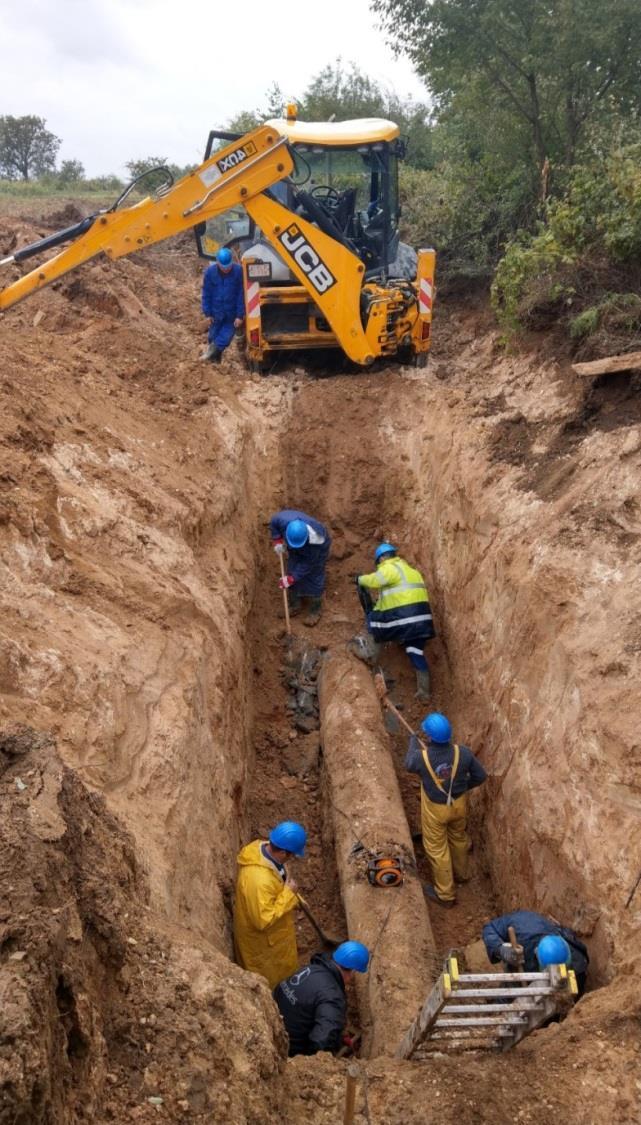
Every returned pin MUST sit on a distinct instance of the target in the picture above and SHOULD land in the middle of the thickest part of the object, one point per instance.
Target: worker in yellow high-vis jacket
(264, 933)
(402, 612)
(447, 772)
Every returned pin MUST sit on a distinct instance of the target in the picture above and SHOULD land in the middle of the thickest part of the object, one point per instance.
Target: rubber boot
(295, 604)
(314, 612)
(423, 684)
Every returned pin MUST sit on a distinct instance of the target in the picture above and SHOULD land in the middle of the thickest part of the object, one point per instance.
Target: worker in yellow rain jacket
(401, 614)
(264, 933)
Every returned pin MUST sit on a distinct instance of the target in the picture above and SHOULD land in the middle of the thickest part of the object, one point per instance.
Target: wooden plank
(610, 365)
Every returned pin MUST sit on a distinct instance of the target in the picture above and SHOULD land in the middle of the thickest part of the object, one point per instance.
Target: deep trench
(345, 481)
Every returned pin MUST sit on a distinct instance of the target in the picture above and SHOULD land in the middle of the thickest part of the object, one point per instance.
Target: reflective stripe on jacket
(264, 933)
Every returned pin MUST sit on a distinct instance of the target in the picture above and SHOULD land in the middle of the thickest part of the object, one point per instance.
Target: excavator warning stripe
(425, 296)
(253, 299)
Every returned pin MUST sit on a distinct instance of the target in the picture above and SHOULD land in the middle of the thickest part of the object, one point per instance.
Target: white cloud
(121, 79)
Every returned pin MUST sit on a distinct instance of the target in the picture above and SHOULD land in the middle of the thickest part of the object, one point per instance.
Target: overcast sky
(121, 79)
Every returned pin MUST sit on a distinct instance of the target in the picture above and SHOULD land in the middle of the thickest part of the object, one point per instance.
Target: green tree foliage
(153, 180)
(582, 263)
(71, 172)
(342, 92)
(553, 65)
(27, 148)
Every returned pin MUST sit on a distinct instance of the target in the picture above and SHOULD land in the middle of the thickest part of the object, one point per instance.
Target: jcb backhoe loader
(312, 212)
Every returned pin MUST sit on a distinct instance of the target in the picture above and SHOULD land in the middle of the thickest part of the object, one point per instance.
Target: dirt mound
(104, 1015)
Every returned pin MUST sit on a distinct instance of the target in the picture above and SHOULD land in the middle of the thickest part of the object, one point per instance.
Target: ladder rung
(485, 1009)
(482, 1021)
(478, 978)
(500, 993)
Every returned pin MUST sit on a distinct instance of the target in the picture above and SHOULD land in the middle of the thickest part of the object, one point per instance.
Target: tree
(342, 92)
(71, 172)
(27, 148)
(553, 65)
(144, 167)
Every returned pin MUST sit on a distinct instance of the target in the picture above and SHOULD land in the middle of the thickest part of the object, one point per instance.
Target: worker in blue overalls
(307, 542)
(223, 301)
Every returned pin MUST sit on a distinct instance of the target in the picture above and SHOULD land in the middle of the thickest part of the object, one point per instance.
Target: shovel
(330, 943)
(285, 601)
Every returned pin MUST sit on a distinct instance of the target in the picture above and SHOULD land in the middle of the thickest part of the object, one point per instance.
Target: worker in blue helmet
(447, 772)
(307, 543)
(544, 942)
(223, 301)
(313, 1002)
(266, 897)
(401, 613)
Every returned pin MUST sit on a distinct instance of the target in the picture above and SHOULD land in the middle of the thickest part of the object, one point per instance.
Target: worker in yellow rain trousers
(447, 773)
(401, 614)
(264, 933)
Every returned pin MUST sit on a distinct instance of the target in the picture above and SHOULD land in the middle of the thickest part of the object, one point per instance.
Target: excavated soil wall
(368, 817)
(136, 488)
(527, 524)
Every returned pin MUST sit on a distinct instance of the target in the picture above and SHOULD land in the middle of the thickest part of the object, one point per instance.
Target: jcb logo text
(307, 259)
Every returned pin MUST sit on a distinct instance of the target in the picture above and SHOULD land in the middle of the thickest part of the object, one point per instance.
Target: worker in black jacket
(313, 1003)
(447, 772)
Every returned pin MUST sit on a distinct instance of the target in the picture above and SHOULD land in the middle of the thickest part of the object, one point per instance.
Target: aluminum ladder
(486, 1011)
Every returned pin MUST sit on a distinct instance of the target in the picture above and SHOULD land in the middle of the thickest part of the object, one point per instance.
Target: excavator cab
(345, 182)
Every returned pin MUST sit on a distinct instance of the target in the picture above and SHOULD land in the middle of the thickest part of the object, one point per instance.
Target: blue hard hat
(289, 836)
(296, 533)
(223, 257)
(437, 727)
(352, 955)
(553, 950)
(384, 549)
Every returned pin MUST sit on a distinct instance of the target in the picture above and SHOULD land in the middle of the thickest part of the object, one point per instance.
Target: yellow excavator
(311, 210)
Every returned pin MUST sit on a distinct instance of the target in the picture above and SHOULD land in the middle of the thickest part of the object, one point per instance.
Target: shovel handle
(285, 601)
(381, 691)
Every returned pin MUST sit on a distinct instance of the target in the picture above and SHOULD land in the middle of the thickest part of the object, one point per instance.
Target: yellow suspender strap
(435, 779)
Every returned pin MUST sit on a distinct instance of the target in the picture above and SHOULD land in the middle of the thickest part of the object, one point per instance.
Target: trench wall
(544, 685)
(366, 809)
(128, 587)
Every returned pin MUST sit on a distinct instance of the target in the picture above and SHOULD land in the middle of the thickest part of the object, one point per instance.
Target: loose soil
(143, 698)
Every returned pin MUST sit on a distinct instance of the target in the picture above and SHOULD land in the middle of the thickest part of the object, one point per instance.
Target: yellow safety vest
(400, 584)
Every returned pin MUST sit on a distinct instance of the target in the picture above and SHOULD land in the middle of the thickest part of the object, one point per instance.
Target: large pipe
(367, 810)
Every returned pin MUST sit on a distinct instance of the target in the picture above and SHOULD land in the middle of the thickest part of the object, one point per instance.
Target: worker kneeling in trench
(313, 1002)
(541, 941)
(264, 933)
(447, 773)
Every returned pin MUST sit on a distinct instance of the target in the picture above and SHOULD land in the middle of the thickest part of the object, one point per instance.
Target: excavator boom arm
(230, 178)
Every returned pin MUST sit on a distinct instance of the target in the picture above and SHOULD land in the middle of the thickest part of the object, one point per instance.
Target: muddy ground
(143, 701)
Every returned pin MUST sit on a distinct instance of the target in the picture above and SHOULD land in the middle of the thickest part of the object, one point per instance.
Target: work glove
(509, 955)
(285, 582)
(279, 546)
(349, 1041)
